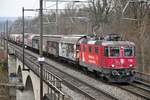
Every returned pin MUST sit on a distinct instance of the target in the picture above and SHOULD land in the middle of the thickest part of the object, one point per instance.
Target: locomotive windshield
(114, 52)
(128, 51)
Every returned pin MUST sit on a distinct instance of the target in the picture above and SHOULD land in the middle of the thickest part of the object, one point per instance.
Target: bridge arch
(29, 89)
(19, 72)
(31, 83)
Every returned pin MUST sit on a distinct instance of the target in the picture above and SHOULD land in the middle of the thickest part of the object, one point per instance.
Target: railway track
(74, 83)
(141, 85)
(142, 77)
(81, 86)
(138, 88)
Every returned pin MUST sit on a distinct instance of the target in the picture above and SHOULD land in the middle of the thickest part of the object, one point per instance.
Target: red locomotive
(110, 58)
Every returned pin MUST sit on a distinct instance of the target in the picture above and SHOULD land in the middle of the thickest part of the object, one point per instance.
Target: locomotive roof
(117, 43)
(108, 43)
(91, 41)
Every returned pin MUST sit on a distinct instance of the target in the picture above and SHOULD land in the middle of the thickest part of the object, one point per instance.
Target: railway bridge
(29, 75)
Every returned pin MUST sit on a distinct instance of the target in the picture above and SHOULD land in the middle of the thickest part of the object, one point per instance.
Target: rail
(142, 77)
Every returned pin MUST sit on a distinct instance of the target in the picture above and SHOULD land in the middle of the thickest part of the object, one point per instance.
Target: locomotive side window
(114, 52)
(106, 51)
(128, 52)
(90, 49)
(96, 50)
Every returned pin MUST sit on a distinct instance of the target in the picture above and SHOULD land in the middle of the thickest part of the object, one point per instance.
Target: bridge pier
(11, 65)
(30, 81)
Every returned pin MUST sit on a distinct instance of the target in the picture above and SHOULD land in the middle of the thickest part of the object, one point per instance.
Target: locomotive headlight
(113, 65)
(131, 65)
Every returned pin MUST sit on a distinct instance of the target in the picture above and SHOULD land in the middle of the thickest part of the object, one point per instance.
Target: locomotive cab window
(128, 52)
(114, 51)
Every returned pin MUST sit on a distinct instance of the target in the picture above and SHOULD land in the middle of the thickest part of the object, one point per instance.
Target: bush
(3, 65)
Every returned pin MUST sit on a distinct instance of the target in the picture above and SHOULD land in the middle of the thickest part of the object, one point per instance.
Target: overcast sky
(13, 8)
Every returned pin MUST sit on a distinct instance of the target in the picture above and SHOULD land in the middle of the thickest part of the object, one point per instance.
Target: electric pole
(7, 41)
(23, 34)
(41, 59)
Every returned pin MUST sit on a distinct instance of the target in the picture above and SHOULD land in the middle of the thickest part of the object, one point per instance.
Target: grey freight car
(29, 38)
(35, 42)
(52, 46)
(69, 47)
(46, 39)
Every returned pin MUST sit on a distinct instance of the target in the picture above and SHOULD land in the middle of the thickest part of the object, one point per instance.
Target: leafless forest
(99, 17)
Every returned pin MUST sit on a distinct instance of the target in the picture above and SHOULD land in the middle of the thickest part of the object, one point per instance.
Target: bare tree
(142, 17)
(73, 20)
(100, 11)
(139, 11)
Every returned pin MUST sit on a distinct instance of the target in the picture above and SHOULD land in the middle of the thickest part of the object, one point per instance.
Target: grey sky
(13, 8)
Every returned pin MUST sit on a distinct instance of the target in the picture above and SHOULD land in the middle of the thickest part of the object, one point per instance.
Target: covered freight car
(69, 47)
(46, 39)
(52, 45)
(15, 37)
(29, 39)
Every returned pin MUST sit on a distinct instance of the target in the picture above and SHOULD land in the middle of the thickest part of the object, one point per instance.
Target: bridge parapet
(11, 51)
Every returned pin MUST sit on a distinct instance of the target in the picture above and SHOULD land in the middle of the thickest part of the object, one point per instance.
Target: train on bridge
(109, 57)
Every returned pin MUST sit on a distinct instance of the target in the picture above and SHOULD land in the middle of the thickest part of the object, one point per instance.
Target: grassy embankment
(4, 91)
